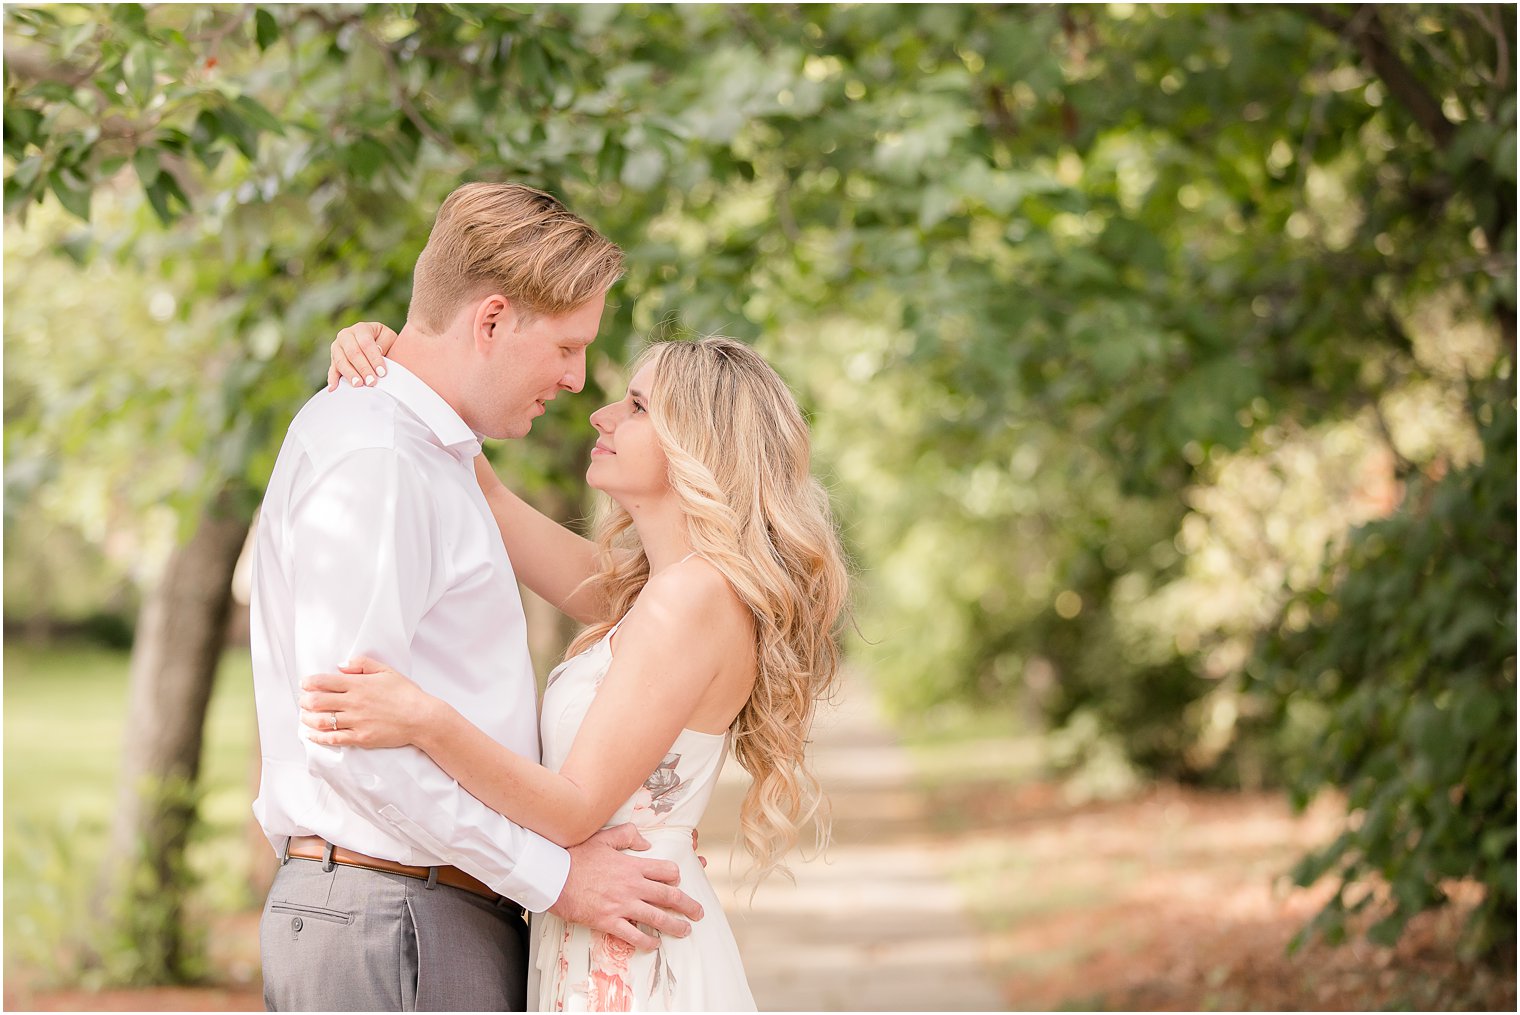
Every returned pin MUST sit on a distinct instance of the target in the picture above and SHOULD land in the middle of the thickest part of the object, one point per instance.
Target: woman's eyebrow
(635, 393)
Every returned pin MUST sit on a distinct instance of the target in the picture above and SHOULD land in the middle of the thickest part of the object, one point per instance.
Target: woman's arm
(550, 559)
(668, 652)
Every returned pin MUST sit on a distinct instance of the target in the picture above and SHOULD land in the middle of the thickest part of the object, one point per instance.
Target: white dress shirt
(374, 539)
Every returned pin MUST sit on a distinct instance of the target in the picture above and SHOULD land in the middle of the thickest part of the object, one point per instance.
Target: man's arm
(363, 575)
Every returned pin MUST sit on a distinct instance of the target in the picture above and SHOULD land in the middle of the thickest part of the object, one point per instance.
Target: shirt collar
(428, 406)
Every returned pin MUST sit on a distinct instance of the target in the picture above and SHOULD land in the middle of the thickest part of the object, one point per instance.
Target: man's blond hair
(509, 239)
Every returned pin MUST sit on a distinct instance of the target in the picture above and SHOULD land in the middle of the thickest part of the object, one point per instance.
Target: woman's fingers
(318, 701)
(344, 363)
(336, 683)
(370, 346)
(342, 738)
(317, 720)
(358, 354)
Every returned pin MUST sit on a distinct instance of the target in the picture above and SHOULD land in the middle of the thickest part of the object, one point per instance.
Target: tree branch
(404, 100)
(1365, 30)
(34, 66)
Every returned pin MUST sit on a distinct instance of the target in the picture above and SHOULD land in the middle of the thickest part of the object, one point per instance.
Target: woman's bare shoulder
(695, 592)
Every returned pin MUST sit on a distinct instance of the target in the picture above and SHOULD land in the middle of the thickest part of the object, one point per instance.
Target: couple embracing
(402, 784)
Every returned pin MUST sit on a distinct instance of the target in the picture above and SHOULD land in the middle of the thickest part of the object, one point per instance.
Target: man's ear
(494, 320)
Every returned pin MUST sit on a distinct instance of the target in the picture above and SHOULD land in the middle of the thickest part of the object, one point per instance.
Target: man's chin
(512, 431)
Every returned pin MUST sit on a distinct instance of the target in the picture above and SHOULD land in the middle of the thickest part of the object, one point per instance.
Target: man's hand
(611, 892)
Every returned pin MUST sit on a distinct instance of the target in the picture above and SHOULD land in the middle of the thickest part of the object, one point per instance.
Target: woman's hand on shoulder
(358, 354)
(374, 706)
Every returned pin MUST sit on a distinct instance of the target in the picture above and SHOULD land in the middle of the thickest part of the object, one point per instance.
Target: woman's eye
(638, 407)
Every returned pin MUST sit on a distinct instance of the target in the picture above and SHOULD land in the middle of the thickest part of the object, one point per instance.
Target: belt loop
(327, 860)
(285, 851)
(432, 878)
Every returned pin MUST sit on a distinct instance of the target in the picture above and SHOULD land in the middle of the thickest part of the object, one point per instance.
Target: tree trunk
(180, 632)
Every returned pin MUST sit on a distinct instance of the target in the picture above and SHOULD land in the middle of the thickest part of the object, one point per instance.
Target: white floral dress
(573, 968)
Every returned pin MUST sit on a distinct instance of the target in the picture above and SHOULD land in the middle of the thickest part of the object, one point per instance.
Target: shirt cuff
(539, 876)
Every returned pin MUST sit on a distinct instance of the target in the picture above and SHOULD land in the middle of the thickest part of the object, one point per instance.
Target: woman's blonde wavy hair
(739, 462)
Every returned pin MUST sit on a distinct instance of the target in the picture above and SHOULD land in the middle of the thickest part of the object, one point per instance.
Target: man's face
(534, 362)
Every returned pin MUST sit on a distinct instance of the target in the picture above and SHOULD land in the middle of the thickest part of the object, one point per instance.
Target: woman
(711, 596)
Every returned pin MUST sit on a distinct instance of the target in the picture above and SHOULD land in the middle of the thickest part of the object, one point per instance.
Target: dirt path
(878, 925)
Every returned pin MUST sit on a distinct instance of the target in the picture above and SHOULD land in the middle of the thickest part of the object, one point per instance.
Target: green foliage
(128, 946)
(1038, 270)
(1409, 644)
(63, 935)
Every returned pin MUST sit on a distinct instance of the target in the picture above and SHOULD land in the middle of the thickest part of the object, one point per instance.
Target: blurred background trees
(1160, 358)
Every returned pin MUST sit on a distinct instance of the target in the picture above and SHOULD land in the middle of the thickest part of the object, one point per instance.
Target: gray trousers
(350, 939)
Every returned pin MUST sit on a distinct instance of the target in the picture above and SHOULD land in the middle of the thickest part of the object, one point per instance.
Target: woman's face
(627, 461)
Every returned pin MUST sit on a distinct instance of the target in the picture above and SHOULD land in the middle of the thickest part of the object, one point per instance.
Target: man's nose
(575, 377)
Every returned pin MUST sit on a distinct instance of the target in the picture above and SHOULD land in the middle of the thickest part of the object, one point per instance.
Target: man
(398, 890)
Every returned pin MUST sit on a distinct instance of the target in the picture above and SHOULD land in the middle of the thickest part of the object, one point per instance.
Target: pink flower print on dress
(562, 972)
(610, 990)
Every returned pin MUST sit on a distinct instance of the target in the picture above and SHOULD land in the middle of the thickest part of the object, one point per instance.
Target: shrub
(1409, 646)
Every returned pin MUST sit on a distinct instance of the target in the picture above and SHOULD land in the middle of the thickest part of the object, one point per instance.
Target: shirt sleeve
(361, 539)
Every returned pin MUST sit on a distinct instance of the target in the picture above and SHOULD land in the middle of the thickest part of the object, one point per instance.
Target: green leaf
(72, 191)
(21, 125)
(164, 194)
(242, 133)
(145, 161)
(257, 115)
(266, 31)
(16, 196)
(366, 156)
(1504, 157)
(137, 71)
(460, 11)
(74, 36)
(27, 171)
(130, 16)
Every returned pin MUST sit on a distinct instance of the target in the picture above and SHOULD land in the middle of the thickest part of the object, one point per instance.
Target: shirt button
(295, 923)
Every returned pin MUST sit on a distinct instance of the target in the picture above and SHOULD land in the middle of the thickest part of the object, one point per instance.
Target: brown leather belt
(312, 847)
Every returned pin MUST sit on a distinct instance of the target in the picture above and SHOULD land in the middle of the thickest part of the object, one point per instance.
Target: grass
(65, 712)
